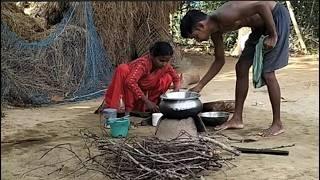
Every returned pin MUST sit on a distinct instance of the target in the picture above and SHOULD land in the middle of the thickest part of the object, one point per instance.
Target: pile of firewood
(151, 158)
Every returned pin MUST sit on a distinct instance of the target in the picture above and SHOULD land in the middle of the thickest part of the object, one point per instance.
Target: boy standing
(264, 18)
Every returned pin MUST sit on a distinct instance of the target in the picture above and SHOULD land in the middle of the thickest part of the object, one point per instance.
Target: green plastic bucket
(119, 127)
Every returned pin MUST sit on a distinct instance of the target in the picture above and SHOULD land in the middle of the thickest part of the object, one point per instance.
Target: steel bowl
(180, 95)
(180, 105)
(214, 118)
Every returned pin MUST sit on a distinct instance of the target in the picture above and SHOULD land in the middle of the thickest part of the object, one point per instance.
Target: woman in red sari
(142, 81)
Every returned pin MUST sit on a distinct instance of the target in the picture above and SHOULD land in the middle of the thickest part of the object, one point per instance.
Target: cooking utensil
(180, 105)
(214, 118)
(222, 105)
(155, 118)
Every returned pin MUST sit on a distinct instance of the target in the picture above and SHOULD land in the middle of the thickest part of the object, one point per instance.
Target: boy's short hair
(190, 20)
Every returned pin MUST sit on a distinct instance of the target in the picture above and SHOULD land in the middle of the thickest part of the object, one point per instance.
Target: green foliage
(307, 16)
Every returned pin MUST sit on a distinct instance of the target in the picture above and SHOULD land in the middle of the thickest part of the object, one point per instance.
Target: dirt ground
(26, 134)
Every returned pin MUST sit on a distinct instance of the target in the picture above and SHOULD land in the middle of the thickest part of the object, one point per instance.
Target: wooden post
(296, 27)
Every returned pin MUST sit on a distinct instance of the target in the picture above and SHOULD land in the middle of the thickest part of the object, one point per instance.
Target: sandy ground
(26, 134)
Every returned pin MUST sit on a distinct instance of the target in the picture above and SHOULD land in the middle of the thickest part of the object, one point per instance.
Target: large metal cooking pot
(180, 105)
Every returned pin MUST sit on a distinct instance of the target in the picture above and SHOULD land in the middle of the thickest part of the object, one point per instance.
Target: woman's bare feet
(274, 130)
(234, 123)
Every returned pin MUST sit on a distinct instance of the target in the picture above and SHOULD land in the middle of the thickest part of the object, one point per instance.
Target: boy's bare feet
(273, 130)
(233, 123)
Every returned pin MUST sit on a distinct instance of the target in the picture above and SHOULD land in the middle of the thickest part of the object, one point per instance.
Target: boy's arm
(265, 12)
(216, 65)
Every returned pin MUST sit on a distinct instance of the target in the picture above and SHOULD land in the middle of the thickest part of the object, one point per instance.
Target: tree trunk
(243, 34)
(296, 27)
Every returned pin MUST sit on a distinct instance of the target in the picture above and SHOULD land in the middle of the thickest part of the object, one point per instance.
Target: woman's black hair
(161, 48)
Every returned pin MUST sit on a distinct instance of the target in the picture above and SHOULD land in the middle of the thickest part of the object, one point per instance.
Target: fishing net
(74, 59)
(68, 60)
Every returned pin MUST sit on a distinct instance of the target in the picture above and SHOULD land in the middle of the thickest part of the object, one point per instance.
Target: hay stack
(128, 28)
(33, 77)
(25, 26)
(40, 21)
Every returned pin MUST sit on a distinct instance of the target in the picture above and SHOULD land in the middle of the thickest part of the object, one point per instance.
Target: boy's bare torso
(231, 16)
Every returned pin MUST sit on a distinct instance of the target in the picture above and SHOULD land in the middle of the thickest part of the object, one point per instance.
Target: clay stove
(168, 129)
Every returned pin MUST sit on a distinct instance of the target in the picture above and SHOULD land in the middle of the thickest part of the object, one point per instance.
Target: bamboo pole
(296, 27)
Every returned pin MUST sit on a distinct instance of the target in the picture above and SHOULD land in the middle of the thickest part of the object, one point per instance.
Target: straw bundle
(124, 25)
(46, 72)
(58, 69)
(35, 75)
(25, 26)
(155, 33)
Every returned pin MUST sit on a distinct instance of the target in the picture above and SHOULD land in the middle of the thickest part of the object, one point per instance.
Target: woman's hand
(152, 106)
(176, 89)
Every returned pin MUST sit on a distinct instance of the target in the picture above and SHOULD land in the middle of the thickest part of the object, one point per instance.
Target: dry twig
(150, 158)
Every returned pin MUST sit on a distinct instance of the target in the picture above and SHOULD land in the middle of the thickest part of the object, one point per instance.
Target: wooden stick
(242, 140)
(278, 147)
(146, 168)
(221, 145)
(180, 160)
(263, 151)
